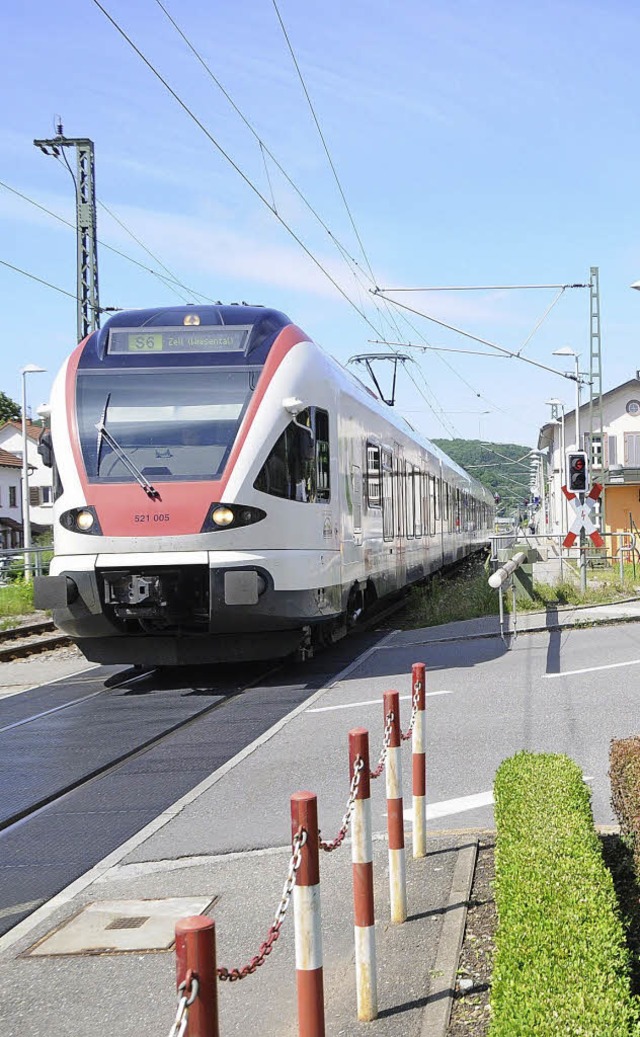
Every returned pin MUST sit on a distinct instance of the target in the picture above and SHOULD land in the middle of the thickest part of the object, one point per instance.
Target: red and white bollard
(419, 761)
(395, 817)
(306, 917)
(196, 957)
(362, 866)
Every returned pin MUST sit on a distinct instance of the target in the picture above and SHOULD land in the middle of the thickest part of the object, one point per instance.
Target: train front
(155, 514)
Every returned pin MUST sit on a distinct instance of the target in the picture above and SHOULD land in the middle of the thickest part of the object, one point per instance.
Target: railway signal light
(577, 471)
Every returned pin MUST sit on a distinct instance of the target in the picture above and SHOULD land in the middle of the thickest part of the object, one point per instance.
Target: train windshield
(174, 424)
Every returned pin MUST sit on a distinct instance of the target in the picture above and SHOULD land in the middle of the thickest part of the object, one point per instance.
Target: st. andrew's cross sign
(583, 518)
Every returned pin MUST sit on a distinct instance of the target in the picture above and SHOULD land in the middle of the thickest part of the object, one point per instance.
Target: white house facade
(613, 457)
(40, 478)
(10, 501)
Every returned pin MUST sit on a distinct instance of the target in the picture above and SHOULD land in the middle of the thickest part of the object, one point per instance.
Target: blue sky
(491, 143)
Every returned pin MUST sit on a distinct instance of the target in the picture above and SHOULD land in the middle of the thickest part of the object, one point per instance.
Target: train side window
(432, 505)
(298, 467)
(408, 496)
(417, 503)
(387, 495)
(323, 466)
(374, 489)
(426, 522)
(356, 497)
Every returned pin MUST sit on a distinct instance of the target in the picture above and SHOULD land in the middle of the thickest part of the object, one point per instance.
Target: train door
(399, 511)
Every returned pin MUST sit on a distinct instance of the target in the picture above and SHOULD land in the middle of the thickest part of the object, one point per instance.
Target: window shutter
(34, 496)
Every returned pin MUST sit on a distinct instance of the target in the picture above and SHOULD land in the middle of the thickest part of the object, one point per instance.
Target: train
(225, 490)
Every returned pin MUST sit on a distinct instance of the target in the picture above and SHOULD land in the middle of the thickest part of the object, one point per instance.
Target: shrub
(624, 774)
(561, 966)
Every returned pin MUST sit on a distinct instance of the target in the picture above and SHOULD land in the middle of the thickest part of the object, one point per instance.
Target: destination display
(178, 340)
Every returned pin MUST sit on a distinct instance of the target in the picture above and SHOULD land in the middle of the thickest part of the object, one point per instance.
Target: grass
(16, 599)
(465, 595)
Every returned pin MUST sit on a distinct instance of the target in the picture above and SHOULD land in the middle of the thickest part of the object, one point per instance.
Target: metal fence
(18, 564)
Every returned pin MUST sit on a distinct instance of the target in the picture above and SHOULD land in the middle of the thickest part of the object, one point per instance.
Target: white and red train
(225, 490)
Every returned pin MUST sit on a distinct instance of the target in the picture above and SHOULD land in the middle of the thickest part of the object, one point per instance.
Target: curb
(435, 1017)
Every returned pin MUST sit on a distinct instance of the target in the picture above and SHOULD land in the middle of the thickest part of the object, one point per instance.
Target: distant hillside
(510, 481)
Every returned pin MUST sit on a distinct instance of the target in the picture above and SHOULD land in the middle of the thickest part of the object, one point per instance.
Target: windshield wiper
(104, 434)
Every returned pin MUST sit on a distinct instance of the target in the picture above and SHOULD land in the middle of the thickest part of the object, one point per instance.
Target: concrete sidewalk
(224, 849)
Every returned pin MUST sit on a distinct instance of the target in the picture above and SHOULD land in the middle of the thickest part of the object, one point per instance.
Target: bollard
(306, 917)
(419, 761)
(395, 817)
(362, 867)
(196, 953)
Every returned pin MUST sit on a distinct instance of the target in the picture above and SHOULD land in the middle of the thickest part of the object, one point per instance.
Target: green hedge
(624, 774)
(561, 966)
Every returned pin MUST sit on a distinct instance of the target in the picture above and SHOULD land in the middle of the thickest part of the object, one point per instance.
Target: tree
(9, 410)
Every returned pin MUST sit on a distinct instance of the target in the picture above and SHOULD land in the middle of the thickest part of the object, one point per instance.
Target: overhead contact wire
(231, 162)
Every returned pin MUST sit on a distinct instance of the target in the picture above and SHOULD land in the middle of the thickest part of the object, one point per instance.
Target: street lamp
(555, 404)
(568, 351)
(26, 522)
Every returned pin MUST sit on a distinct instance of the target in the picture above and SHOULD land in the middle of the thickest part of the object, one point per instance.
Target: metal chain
(385, 746)
(417, 688)
(333, 844)
(299, 840)
(187, 993)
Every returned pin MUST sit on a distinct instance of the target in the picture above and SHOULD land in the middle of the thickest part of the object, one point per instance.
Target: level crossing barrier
(497, 581)
(197, 972)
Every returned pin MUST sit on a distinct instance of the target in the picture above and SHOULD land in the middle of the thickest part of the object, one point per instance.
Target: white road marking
(592, 669)
(371, 702)
(454, 806)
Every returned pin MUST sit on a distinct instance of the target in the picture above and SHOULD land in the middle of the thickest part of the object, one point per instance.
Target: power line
(322, 138)
(265, 150)
(235, 166)
(33, 277)
(56, 216)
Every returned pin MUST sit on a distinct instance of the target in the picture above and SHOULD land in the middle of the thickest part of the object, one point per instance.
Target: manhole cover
(118, 926)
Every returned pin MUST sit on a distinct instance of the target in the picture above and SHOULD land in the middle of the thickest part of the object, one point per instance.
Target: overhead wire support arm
(474, 338)
(477, 288)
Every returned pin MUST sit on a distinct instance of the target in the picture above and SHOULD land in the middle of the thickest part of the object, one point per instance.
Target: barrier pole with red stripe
(395, 816)
(362, 866)
(196, 958)
(419, 760)
(306, 917)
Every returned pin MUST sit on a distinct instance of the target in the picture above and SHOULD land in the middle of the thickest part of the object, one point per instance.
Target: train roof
(265, 323)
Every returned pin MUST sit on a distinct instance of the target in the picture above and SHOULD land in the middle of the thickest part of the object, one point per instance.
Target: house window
(632, 449)
(613, 449)
(13, 497)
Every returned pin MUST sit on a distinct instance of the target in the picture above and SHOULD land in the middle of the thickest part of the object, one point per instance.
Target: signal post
(577, 478)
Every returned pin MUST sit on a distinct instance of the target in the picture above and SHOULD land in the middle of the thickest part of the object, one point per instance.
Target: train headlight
(231, 516)
(84, 521)
(81, 520)
(222, 516)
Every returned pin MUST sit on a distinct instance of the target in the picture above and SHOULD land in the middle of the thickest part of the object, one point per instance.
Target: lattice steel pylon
(88, 301)
(596, 418)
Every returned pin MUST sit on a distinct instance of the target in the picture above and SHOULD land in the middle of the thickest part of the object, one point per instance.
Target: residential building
(613, 457)
(40, 478)
(10, 500)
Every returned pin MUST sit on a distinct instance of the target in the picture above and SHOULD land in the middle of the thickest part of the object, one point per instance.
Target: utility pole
(87, 250)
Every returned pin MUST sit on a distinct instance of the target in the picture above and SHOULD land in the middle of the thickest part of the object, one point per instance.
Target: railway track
(30, 639)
